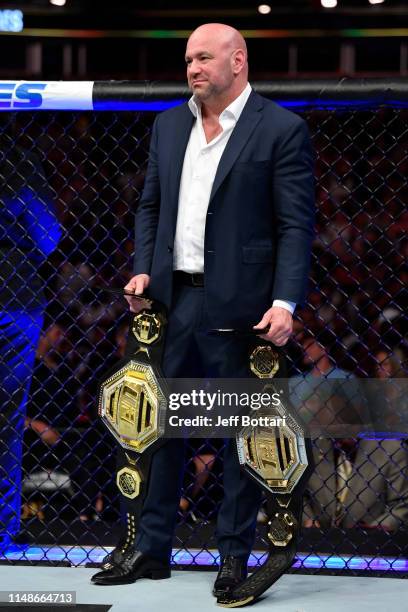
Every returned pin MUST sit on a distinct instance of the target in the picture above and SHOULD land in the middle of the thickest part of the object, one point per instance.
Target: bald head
(217, 62)
(224, 34)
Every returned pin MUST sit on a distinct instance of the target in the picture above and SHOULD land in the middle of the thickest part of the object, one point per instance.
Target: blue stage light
(300, 105)
(81, 555)
(11, 20)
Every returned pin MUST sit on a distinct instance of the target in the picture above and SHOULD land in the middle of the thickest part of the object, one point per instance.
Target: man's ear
(238, 61)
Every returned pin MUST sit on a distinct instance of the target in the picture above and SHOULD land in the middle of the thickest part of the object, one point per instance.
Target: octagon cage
(73, 166)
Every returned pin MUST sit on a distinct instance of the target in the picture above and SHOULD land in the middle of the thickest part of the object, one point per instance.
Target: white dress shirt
(199, 168)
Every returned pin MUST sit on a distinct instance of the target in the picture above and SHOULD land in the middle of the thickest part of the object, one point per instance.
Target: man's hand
(137, 285)
(280, 323)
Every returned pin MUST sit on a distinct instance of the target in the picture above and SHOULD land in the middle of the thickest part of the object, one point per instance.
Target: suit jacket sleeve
(147, 213)
(294, 206)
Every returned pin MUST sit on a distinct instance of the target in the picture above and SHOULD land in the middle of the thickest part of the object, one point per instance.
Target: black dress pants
(190, 352)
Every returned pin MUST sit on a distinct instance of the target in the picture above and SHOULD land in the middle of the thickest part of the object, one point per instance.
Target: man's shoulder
(279, 113)
(169, 115)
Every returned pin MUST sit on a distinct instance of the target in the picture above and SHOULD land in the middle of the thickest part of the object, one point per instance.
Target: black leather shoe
(113, 558)
(232, 572)
(132, 565)
(278, 562)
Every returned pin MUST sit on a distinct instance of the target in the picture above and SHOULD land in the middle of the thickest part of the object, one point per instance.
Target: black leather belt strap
(284, 507)
(190, 280)
(144, 346)
(153, 357)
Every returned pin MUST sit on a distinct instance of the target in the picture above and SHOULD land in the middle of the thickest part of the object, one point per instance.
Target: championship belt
(279, 460)
(132, 401)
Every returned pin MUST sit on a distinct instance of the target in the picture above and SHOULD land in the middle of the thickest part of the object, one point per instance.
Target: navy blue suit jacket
(260, 221)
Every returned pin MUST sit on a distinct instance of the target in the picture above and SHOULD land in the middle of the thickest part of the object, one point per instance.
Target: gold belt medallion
(264, 361)
(128, 480)
(147, 327)
(282, 528)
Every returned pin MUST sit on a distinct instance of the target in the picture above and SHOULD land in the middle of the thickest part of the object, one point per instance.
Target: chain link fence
(70, 185)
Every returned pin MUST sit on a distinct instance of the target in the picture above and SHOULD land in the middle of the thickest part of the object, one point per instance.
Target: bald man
(223, 237)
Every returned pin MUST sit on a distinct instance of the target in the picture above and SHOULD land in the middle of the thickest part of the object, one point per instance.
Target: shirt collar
(235, 108)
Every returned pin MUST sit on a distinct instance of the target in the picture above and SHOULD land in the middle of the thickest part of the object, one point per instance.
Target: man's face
(209, 66)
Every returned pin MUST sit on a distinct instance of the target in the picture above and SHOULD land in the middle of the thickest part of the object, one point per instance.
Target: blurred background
(85, 172)
(145, 40)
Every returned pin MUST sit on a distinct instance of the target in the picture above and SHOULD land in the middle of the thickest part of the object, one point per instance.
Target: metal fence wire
(70, 183)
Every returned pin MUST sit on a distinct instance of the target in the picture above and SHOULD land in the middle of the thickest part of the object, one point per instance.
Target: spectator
(29, 233)
(326, 395)
(55, 382)
(388, 394)
(202, 463)
(358, 483)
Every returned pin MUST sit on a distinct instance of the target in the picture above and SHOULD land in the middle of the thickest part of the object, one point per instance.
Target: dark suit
(258, 237)
(260, 217)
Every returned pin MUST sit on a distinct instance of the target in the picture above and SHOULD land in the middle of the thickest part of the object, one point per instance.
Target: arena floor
(190, 590)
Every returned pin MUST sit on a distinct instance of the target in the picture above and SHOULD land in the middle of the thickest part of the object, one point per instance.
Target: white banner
(46, 95)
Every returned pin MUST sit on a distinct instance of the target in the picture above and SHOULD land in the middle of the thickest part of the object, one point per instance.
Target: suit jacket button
(170, 249)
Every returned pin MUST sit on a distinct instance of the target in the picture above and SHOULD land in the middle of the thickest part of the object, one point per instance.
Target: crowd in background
(95, 165)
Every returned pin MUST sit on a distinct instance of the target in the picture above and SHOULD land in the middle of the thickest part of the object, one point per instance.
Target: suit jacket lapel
(246, 124)
(182, 130)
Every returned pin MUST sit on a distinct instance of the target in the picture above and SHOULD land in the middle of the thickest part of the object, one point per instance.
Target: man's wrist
(290, 306)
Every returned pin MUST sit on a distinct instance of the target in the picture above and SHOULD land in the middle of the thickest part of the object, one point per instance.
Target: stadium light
(264, 9)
